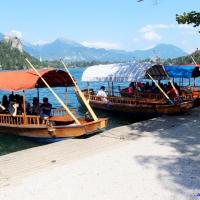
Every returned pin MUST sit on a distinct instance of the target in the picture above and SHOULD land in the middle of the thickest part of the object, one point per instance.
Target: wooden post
(81, 94)
(24, 106)
(55, 95)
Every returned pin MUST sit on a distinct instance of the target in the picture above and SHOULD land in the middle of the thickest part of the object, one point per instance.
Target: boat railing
(62, 112)
(134, 100)
(7, 119)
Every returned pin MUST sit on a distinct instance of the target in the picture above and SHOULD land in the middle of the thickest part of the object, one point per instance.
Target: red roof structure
(28, 79)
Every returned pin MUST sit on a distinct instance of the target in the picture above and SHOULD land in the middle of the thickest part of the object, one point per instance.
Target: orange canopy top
(28, 79)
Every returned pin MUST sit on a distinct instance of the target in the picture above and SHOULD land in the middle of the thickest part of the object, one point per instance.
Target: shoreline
(152, 159)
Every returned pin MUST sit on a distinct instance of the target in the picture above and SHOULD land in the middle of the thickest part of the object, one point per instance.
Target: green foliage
(12, 58)
(192, 17)
(185, 59)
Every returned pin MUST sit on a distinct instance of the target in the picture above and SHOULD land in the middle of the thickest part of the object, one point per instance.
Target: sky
(110, 24)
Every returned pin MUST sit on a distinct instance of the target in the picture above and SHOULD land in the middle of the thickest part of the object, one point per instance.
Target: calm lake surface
(10, 143)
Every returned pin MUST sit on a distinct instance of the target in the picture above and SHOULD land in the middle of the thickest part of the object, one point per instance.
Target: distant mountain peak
(67, 41)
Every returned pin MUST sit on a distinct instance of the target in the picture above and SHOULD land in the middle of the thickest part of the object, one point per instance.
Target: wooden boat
(63, 122)
(186, 75)
(138, 104)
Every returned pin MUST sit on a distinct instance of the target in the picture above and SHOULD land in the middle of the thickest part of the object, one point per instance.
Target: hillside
(12, 58)
(185, 59)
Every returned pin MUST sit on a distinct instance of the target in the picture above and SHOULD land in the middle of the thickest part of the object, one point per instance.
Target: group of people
(136, 88)
(14, 104)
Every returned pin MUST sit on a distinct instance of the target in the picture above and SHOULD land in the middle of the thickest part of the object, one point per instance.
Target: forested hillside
(12, 58)
(186, 59)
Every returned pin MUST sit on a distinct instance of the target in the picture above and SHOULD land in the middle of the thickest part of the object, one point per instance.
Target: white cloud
(149, 31)
(99, 45)
(152, 36)
(14, 33)
(41, 42)
(151, 27)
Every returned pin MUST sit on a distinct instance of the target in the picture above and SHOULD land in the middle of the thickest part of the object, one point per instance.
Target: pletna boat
(187, 77)
(62, 123)
(141, 103)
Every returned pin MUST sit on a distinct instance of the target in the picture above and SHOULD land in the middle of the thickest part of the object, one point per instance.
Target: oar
(52, 91)
(81, 94)
(159, 87)
(193, 60)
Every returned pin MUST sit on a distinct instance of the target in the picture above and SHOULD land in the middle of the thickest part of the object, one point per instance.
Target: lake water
(10, 143)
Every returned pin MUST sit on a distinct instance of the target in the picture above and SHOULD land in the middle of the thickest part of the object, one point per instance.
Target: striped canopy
(123, 72)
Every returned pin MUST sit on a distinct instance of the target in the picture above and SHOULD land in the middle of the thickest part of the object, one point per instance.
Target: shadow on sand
(179, 171)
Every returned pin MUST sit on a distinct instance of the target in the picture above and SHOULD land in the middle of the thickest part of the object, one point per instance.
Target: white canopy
(121, 72)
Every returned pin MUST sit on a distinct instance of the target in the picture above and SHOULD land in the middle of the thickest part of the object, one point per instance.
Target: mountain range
(72, 51)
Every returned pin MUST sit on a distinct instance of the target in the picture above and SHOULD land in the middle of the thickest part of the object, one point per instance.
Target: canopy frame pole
(24, 107)
(81, 94)
(55, 95)
(172, 84)
(159, 87)
(88, 86)
(109, 88)
(113, 89)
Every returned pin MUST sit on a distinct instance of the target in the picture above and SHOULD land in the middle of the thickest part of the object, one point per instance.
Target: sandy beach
(153, 159)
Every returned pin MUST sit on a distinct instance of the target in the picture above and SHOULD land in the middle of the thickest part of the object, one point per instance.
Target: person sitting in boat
(188, 90)
(140, 87)
(177, 87)
(13, 105)
(172, 92)
(147, 87)
(132, 89)
(153, 88)
(45, 109)
(102, 93)
(35, 110)
(2, 108)
(5, 103)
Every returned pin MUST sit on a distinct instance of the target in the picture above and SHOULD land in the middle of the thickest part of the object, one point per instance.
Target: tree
(192, 17)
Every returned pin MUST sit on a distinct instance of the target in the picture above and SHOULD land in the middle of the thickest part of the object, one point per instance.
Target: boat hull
(144, 109)
(139, 109)
(55, 133)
